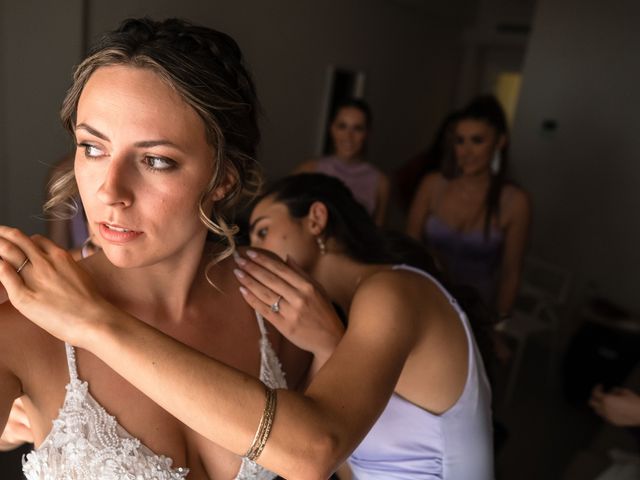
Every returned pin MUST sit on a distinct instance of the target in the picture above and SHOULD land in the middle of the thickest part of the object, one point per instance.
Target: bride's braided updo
(205, 67)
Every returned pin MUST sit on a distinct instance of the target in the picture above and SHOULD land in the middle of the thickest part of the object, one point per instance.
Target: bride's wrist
(99, 323)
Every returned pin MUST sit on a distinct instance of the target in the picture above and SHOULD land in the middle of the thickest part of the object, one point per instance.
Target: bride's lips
(117, 234)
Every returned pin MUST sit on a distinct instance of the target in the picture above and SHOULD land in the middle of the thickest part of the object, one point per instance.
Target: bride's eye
(158, 163)
(91, 151)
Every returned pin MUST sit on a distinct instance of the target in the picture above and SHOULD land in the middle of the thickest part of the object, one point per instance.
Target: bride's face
(142, 164)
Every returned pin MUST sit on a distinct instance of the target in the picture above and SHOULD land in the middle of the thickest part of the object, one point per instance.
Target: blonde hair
(205, 67)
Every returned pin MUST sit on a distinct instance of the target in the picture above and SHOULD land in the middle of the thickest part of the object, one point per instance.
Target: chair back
(544, 286)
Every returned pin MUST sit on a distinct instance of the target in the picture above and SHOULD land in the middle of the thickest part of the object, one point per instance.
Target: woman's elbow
(319, 458)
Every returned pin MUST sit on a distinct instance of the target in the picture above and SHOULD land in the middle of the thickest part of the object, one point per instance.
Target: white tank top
(86, 443)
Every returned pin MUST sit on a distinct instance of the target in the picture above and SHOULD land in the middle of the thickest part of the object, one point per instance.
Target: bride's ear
(223, 188)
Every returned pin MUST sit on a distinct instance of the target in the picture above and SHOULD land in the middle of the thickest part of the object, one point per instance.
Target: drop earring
(321, 245)
(496, 162)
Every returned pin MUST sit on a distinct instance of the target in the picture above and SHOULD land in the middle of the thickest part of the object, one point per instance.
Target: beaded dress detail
(86, 443)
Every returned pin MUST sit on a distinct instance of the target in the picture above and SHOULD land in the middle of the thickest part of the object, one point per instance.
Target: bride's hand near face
(292, 301)
(52, 290)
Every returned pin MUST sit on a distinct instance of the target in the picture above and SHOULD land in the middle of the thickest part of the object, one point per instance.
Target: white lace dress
(86, 443)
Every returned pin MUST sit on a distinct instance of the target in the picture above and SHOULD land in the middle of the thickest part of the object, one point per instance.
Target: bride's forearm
(219, 402)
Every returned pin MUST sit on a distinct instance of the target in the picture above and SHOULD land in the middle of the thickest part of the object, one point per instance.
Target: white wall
(489, 49)
(3, 123)
(583, 71)
(410, 61)
(410, 58)
(39, 43)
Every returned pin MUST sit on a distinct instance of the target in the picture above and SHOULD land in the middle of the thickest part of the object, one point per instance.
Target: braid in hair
(206, 68)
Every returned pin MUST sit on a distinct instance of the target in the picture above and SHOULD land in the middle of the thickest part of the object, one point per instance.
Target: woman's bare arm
(312, 433)
(516, 238)
(10, 384)
(420, 206)
(308, 166)
(382, 200)
(9, 390)
(17, 430)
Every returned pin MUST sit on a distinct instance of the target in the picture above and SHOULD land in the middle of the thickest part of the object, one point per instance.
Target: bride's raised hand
(291, 300)
(46, 284)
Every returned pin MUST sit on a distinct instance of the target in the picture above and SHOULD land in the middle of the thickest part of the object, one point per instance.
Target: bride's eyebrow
(154, 143)
(140, 144)
(92, 131)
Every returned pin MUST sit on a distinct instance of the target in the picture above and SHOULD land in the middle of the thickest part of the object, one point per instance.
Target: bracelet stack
(264, 428)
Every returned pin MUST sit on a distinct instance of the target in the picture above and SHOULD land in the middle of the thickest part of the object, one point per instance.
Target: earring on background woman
(496, 161)
(321, 245)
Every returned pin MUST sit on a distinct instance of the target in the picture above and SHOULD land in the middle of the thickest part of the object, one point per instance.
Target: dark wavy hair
(357, 103)
(362, 240)
(348, 221)
(206, 68)
(486, 108)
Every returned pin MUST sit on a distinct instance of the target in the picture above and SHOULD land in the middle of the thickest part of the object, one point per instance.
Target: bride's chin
(123, 260)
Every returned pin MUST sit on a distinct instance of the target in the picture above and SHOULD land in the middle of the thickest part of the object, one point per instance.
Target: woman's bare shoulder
(406, 288)
(388, 309)
(20, 338)
(12, 323)
(432, 182)
(511, 191)
(308, 166)
(435, 178)
(515, 201)
(399, 292)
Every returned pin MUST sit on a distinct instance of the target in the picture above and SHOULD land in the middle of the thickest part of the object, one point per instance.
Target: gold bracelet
(264, 428)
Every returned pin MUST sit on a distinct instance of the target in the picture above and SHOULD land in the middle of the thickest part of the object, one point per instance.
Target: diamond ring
(275, 306)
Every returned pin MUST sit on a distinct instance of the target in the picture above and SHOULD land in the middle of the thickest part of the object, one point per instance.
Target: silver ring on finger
(275, 306)
(22, 265)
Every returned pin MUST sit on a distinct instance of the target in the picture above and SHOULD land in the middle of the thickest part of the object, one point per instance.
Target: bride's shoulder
(22, 339)
(13, 323)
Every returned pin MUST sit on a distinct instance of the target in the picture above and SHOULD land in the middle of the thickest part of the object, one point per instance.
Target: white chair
(544, 289)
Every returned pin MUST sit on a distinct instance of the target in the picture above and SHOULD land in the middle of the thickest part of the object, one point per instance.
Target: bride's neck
(167, 288)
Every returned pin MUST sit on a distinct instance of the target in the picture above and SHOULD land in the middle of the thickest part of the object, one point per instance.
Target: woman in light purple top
(474, 220)
(350, 126)
(410, 442)
(405, 339)
(429, 392)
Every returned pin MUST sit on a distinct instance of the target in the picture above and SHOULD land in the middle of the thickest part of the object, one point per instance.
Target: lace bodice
(87, 443)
